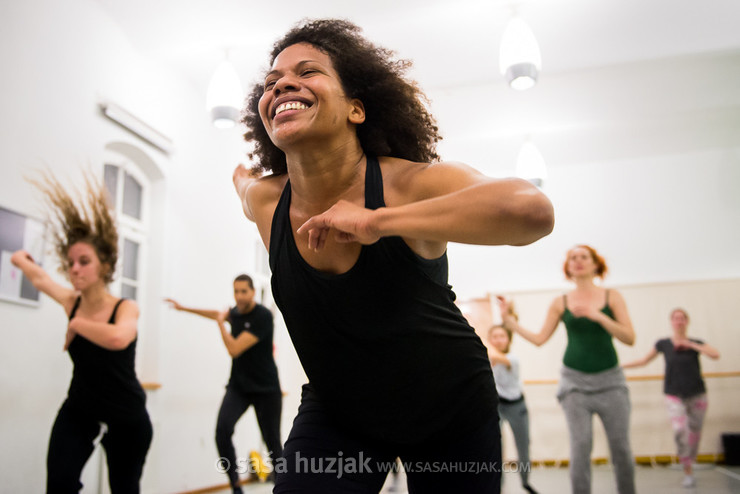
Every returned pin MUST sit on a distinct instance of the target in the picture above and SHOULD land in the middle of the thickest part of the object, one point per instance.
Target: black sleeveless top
(104, 383)
(383, 345)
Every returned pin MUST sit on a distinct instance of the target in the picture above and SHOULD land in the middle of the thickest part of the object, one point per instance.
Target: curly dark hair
(397, 122)
(88, 220)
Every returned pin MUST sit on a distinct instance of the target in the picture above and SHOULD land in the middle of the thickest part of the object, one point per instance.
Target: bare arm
(240, 344)
(548, 328)
(207, 313)
(441, 203)
(703, 348)
(642, 361)
(496, 357)
(243, 180)
(116, 336)
(42, 281)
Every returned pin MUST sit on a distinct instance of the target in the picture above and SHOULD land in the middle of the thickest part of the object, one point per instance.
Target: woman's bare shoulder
(266, 190)
(412, 181)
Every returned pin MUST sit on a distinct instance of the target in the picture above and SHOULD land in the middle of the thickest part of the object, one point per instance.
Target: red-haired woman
(101, 340)
(591, 380)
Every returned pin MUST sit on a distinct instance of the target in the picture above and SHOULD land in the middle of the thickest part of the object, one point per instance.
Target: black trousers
(320, 457)
(268, 408)
(126, 443)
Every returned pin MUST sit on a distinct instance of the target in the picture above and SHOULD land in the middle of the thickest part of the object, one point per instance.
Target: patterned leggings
(687, 417)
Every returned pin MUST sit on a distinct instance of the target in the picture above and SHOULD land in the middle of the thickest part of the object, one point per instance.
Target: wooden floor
(710, 479)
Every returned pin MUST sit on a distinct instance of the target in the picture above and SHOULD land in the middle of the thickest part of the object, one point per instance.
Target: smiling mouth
(291, 105)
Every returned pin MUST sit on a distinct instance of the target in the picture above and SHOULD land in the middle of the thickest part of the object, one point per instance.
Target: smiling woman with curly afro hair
(397, 122)
(356, 210)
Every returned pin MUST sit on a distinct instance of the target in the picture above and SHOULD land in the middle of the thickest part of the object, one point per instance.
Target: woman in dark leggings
(105, 393)
(357, 218)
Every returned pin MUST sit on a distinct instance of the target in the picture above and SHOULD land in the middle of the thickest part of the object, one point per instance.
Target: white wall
(657, 214)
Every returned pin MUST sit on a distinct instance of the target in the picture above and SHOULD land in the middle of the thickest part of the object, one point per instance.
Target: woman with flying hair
(356, 212)
(101, 341)
(591, 380)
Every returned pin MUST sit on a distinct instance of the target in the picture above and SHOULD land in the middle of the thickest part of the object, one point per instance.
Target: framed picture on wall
(18, 231)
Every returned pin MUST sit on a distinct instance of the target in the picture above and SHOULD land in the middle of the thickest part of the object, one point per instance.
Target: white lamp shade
(519, 55)
(530, 165)
(225, 96)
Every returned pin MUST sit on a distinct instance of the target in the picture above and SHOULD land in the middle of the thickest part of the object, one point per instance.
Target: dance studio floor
(710, 479)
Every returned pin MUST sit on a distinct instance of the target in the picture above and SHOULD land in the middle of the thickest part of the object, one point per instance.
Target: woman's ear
(105, 272)
(357, 111)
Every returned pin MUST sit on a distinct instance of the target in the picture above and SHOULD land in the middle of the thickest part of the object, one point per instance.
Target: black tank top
(104, 382)
(383, 345)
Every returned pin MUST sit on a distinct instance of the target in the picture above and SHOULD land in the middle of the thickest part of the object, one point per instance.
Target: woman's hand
(351, 223)
(19, 257)
(584, 310)
(173, 304)
(71, 333)
(684, 344)
(506, 307)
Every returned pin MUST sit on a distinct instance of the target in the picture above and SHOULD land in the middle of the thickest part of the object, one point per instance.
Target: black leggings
(321, 457)
(267, 407)
(126, 444)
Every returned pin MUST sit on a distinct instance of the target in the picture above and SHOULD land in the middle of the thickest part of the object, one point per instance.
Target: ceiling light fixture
(530, 165)
(225, 96)
(519, 55)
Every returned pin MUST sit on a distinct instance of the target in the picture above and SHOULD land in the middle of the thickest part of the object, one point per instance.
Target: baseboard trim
(216, 488)
(718, 458)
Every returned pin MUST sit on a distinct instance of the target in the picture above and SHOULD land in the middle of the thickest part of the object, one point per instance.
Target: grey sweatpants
(612, 405)
(517, 416)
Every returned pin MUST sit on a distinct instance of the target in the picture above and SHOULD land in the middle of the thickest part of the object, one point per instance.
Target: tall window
(127, 187)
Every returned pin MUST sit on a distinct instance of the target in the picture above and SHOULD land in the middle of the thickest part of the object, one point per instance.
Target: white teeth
(292, 105)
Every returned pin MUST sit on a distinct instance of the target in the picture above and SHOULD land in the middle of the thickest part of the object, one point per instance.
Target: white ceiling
(451, 41)
(604, 63)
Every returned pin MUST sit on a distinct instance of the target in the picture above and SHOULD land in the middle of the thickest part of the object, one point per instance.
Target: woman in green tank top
(591, 380)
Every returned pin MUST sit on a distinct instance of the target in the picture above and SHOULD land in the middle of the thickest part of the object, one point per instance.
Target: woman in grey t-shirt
(685, 393)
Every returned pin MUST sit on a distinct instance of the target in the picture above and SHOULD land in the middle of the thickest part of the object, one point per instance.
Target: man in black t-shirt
(254, 377)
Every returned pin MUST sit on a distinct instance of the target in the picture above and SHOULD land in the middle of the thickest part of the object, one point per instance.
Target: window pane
(131, 197)
(130, 259)
(128, 291)
(110, 178)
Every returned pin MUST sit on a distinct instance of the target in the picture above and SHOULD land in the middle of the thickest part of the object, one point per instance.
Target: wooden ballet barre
(149, 386)
(649, 377)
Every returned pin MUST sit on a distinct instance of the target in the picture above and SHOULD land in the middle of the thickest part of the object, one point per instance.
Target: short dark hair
(397, 122)
(245, 277)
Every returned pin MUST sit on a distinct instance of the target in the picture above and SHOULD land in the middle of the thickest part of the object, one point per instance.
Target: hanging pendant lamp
(225, 96)
(530, 165)
(519, 55)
